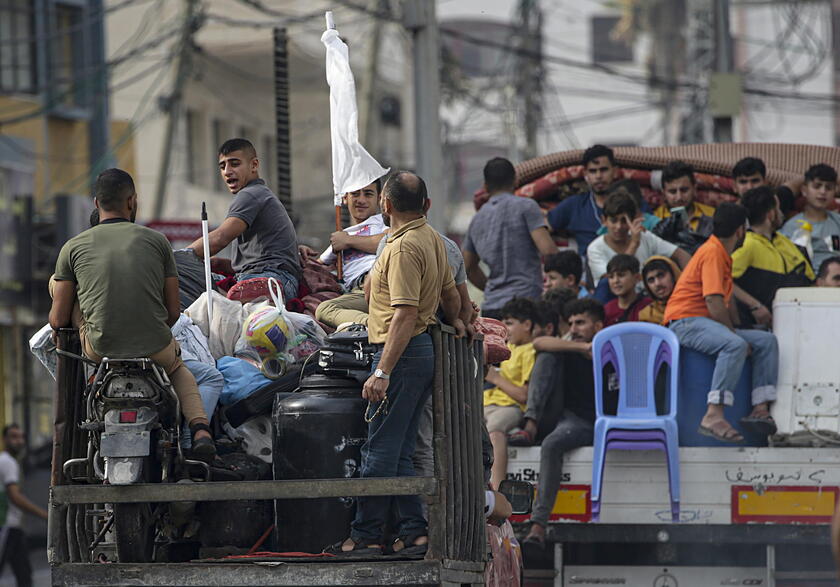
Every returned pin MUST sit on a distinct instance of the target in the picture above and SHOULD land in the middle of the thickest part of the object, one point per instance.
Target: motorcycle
(133, 425)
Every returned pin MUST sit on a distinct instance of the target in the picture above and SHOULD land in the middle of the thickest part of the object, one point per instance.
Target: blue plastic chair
(636, 350)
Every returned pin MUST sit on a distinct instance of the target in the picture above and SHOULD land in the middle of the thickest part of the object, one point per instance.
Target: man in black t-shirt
(576, 425)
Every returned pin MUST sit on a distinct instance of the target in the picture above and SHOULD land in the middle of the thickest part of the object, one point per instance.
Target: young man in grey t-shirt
(266, 241)
(509, 233)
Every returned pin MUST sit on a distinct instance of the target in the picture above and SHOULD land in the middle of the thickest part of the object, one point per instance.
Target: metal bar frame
(457, 542)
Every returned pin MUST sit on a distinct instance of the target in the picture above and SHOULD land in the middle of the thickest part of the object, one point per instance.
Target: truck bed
(727, 485)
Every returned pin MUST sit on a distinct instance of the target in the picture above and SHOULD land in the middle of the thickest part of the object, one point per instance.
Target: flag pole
(339, 263)
(328, 16)
(208, 279)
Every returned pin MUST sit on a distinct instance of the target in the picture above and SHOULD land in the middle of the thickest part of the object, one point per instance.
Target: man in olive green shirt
(124, 278)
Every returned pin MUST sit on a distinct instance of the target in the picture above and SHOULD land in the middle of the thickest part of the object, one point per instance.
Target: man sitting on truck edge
(266, 241)
(408, 283)
(127, 286)
(573, 387)
(701, 313)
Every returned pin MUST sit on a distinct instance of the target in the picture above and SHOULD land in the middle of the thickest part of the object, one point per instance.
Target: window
(67, 62)
(17, 47)
(605, 48)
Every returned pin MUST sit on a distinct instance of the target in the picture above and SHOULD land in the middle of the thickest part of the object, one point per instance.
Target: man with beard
(702, 314)
(767, 260)
(126, 283)
(12, 539)
(582, 215)
(572, 385)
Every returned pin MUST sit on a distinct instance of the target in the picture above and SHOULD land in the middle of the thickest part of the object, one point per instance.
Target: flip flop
(360, 549)
(413, 549)
(714, 431)
(520, 438)
(761, 425)
(203, 449)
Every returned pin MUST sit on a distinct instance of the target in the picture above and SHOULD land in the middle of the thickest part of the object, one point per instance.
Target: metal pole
(421, 20)
(723, 64)
(283, 189)
(189, 26)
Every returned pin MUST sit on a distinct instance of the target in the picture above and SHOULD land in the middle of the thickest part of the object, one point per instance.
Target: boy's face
(362, 204)
(519, 331)
(679, 192)
(622, 282)
(745, 183)
(818, 193)
(832, 276)
(238, 169)
(660, 283)
(583, 327)
(553, 279)
(618, 227)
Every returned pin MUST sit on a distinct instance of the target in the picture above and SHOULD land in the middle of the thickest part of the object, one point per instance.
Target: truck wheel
(134, 531)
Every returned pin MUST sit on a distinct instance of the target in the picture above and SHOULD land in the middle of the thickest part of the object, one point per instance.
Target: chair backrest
(636, 351)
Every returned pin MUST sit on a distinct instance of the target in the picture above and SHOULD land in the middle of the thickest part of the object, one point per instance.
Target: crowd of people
(708, 274)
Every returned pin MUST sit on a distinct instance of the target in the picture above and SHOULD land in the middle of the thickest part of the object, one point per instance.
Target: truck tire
(134, 532)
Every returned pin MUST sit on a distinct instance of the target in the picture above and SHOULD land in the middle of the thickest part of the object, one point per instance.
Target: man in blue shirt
(581, 215)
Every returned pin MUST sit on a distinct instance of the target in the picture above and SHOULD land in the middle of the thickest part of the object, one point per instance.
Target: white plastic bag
(276, 333)
(228, 317)
(43, 347)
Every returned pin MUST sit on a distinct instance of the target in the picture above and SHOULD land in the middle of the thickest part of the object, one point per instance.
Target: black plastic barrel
(318, 434)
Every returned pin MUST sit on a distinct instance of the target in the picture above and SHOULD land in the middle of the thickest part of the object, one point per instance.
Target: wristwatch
(380, 374)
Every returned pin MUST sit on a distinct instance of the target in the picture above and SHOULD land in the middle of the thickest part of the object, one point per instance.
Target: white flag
(353, 167)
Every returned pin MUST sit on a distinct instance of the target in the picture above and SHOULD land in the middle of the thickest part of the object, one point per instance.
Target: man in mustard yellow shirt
(505, 403)
(680, 191)
(408, 282)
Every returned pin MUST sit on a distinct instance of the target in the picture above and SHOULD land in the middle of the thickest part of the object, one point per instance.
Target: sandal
(363, 548)
(405, 545)
(520, 438)
(203, 449)
(761, 423)
(721, 431)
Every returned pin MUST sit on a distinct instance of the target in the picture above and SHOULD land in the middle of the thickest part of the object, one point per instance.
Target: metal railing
(455, 494)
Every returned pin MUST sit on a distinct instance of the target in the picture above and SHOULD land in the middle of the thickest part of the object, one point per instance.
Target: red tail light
(128, 417)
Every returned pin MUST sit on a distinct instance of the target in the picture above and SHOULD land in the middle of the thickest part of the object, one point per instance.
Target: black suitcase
(261, 401)
(347, 354)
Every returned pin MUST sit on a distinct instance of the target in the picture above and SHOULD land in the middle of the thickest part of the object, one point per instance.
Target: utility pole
(724, 64)
(189, 26)
(99, 135)
(529, 72)
(421, 20)
(368, 84)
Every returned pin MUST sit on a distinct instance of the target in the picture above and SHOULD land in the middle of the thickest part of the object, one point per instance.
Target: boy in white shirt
(625, 234)
(358, 244)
